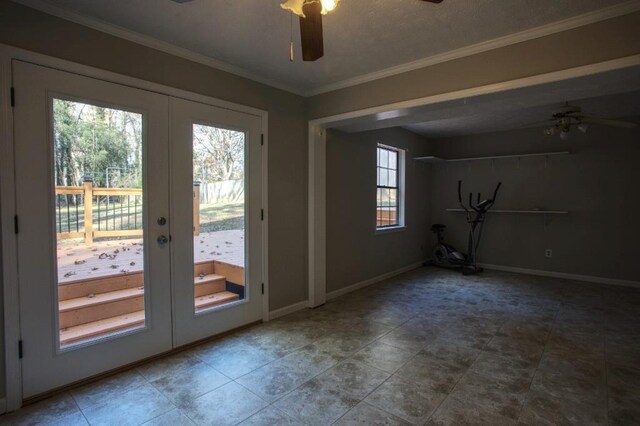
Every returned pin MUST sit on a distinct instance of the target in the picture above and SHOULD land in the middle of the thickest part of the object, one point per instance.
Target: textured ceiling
(618, 106)
(612, 94)
(361, 36)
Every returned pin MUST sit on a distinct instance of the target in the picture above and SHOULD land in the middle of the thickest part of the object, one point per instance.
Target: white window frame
(401, 181)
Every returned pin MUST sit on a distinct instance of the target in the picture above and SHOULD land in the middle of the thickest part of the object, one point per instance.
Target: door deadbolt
(162, 221)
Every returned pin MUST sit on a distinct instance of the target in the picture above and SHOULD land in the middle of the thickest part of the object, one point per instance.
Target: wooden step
(101, 328)
(233, 274)
(208, 284)
(203, 268)
(82, 310)
(104, 284)
(215, 299)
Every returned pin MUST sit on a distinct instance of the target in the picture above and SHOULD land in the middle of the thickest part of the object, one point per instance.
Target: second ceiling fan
(310, 13)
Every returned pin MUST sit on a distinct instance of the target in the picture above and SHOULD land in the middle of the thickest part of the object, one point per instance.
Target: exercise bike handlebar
(460, 197)
(475, 207)
(495, 193)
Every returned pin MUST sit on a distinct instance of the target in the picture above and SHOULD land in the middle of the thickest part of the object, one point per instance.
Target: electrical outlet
(548, 253)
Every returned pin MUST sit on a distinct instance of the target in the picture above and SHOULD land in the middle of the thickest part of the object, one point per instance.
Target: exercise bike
(445, 255)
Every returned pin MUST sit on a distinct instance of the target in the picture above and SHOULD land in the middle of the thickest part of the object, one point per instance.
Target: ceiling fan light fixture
(583, 127)
(550, 131)
(564, 135)
(329, 5)
(296, 6)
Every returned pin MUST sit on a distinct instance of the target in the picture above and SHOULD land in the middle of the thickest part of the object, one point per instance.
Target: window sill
(390, 229)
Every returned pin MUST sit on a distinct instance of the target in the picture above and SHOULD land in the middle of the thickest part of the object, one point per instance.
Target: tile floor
(427, 347)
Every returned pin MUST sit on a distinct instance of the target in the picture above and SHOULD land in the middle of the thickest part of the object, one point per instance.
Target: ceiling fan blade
(182, 1)
(606, 122)
(434, 1)
(311, 32)
(546, 123)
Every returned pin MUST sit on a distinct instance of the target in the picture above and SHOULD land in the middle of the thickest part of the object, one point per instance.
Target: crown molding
(118, 31)
(620, 9)
(530, 34)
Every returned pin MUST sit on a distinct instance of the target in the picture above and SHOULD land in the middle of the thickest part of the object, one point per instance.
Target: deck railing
(89, 212)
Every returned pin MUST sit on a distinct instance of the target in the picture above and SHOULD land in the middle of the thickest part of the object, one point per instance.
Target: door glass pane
(219, 216)
(98, 219)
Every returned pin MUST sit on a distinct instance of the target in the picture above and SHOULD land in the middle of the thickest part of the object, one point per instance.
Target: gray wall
(354, 251)
(2, 359)
(597, 183)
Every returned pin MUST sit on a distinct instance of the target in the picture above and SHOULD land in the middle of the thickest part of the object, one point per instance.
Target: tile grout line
(386, 380)
(460, 378)
(553, 323)
(606, 364)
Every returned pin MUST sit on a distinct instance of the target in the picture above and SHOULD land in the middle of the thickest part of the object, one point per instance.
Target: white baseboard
(365, 283)
(3, 405)
(576, 277)
(288, 310)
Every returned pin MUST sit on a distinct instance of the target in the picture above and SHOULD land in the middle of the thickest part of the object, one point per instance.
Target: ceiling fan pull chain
(291, 45)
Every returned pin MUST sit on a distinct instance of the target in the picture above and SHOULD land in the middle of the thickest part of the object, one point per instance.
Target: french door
(216, 228)
(139, 223)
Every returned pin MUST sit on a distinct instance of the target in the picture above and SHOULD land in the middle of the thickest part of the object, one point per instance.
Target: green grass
(221, 217)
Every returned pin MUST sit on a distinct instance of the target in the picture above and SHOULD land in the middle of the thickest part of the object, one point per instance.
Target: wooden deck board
(204, 302)
(77, 261)
(99, 299)
(101, 328)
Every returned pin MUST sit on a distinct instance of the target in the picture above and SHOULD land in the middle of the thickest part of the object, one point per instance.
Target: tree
(97, 142)
(65, 134)
(218, 154)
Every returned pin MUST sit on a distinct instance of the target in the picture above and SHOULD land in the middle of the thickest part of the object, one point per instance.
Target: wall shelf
(433, 159)
(519, 211)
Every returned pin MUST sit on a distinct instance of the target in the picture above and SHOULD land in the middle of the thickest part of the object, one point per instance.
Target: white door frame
(317, 154)
(11, 297)
(317, 215)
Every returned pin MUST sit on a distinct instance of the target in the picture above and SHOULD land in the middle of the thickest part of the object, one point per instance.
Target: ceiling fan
(310, 13)
(571, 116)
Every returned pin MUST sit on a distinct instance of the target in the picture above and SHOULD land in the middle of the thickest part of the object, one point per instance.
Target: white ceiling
(361, 36)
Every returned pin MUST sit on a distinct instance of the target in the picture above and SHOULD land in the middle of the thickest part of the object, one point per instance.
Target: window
(389, 202)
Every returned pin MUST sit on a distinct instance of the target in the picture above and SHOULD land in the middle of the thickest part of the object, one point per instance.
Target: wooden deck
(101, 287)
(77, 261)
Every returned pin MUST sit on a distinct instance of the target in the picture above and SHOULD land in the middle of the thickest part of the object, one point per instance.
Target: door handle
(162, 240)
